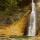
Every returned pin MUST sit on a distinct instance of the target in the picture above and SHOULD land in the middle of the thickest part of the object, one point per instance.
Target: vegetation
(12, 9)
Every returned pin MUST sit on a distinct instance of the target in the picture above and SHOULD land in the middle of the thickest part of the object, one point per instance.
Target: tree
(3, 4)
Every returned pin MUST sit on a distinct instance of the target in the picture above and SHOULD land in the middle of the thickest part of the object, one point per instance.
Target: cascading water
(32, 24)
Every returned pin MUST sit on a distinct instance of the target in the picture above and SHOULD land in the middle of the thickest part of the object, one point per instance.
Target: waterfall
(32, 24)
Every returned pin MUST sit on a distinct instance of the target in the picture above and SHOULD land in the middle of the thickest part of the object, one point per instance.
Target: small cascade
(32, 24)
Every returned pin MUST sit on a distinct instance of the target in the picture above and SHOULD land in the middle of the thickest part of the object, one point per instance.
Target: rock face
(37, 3)
(14, 16)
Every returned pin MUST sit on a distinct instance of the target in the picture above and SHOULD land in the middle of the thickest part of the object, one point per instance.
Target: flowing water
(32, 24)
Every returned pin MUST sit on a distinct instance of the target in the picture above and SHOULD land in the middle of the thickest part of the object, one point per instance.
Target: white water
(32, 24)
